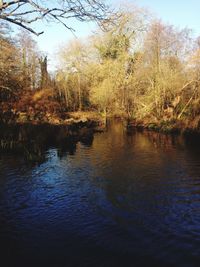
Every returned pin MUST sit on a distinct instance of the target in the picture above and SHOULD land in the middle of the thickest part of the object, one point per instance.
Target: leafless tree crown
(25, 12)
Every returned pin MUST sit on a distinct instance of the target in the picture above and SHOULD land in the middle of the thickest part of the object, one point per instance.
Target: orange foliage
(39, 105)
(39, 101)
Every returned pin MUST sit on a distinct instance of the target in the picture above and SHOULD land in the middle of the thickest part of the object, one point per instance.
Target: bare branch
(26, 12)
(21, 25)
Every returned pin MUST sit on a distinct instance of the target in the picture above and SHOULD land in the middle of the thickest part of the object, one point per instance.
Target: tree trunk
(44, 72)
(79, 92)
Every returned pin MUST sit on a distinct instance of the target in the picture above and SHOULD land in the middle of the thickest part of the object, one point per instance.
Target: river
(122, 199)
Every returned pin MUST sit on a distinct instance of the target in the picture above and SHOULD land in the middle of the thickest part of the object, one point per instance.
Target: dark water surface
(121, 200)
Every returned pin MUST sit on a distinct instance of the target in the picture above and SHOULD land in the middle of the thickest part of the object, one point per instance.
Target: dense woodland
(137, 68)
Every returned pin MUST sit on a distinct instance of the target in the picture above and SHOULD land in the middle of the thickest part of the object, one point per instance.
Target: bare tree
(29, 55)
(25, 12)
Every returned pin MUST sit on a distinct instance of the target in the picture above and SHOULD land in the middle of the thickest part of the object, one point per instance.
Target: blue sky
(181, 13)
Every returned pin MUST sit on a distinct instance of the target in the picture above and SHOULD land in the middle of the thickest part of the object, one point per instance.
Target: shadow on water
(114, 199)
(33, 141)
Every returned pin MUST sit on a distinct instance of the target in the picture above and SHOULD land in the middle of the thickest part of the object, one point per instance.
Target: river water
(123, 199)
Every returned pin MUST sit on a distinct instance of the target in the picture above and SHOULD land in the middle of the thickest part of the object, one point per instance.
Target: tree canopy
(140, 68)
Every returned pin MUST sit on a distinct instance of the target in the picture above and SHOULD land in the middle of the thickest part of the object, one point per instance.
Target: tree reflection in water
(122, 199)
(33, 141)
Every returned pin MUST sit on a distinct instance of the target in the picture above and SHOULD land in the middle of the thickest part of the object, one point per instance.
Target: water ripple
(123, 200)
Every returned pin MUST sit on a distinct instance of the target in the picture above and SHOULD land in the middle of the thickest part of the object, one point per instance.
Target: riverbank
(86, 118)
(42, 107)
(175, 126)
